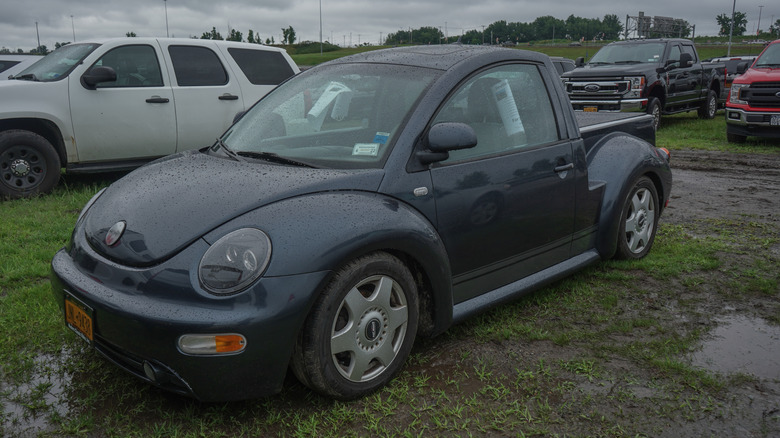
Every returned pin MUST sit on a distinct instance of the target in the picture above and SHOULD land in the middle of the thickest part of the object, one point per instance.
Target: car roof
(184, 41)
(441, 57)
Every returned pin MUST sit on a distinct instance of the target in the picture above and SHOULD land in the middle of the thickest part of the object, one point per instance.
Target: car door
(505, 208)
(684, 82)
(130, 118)
(207, 95)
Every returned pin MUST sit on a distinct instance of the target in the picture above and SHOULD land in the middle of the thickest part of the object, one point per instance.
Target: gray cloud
(364, 20)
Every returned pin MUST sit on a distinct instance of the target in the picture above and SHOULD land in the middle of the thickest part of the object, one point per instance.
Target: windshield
(57, 64)
(629, 53)
(340, 116)
(770, 57)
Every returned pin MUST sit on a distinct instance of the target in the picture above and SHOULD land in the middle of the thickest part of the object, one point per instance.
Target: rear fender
(617, 161)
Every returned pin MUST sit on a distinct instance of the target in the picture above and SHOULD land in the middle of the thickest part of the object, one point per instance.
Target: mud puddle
(741, 344)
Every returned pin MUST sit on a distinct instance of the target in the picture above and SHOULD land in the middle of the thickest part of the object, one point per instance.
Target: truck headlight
(635, 86)
(734, 96)
(235, 261)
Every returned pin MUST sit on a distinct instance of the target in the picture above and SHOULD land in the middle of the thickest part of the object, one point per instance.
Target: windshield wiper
(274, 158)
(768, 65)
(628, 62)
(599, 63)
(229, 152)
(27, 77)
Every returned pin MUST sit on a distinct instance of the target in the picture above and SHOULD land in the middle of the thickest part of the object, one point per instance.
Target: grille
(763, 94)
(605, 88)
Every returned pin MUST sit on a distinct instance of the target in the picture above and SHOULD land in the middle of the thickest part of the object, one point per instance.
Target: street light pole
(167, 35)
(758, 28)
(731, 30)
(73, 27)
(320, 27)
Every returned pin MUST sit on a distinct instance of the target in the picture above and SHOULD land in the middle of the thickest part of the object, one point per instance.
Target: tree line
(543, 28)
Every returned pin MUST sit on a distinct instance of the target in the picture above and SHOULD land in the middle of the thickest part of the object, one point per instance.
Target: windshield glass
(770, 57)
(57, 64)
(629, 53)
(340, 116)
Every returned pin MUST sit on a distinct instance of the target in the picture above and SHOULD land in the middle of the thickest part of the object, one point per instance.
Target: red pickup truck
(753, 106)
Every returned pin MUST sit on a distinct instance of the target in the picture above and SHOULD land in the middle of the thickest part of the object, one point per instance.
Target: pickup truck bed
(594, 126)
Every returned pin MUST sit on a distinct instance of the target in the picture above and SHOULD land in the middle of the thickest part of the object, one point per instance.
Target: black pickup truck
(659, 76)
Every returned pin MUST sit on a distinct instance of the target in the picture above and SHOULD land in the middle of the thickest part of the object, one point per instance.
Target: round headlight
(235, 261)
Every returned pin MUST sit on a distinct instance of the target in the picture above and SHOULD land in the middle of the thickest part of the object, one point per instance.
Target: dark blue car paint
(146, 291)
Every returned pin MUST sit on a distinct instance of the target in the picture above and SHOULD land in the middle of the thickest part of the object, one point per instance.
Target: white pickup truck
(116, 104)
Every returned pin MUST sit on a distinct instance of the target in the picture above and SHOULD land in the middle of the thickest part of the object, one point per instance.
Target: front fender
(617, 161)
(322, 231)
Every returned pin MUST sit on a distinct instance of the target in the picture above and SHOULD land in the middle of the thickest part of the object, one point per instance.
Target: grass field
(51, 385)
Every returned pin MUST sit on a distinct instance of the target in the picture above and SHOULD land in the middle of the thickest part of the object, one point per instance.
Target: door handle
(157, 99)
(228, 96)
(564, 168)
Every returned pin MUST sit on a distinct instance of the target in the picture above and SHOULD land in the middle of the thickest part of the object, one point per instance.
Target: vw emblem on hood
(115, 233)
(592, 88)
(777, 94)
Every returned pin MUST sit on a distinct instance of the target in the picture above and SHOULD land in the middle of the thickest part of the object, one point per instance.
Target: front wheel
(654, 109)
(29, 165)
(638, 220)
(710, 106)
(360, 330)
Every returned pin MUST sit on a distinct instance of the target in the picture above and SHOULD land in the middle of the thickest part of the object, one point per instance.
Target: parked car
(562, 65)
(363, 203)
(658, 76)
(753, 107)
(117, 104)
(13, 64)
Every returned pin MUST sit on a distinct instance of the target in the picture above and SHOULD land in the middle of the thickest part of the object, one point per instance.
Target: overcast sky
(343, 22)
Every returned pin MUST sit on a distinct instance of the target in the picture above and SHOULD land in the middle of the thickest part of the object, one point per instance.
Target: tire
(360, 330)
(710, 106)
(29, 165)
(735, 138)
(654, 109)
(638, 220)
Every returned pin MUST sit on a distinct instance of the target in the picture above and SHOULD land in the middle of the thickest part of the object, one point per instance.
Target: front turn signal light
(212, 344)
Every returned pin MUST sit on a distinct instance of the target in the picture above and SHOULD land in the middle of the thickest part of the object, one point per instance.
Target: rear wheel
(361, 329)
(29, 165)
(710, 106)
(638, 220)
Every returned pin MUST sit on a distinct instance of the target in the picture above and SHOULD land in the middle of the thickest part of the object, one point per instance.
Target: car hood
(761, 74)
(609, 70)
(168, 204)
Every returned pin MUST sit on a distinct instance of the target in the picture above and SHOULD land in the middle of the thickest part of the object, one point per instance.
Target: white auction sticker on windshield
(366, 149)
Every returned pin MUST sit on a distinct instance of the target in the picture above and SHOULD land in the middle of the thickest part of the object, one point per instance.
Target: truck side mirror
(742, 67)
(445, 137)
(97, 75)
(579, 62)
(686, 60)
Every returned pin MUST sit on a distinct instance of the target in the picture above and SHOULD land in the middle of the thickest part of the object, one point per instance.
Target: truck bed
(594, 126)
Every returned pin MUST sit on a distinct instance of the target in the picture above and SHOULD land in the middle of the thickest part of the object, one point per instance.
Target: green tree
(288, 35)
(253, 37)
(40, 50)
(213, 35)
(58, 45)
(611, 26)
(130, 34)
(740, 23)
(235, 36)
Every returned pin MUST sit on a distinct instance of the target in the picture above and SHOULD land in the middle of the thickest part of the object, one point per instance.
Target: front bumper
(622, 105)
(139, 315)
(753, 123)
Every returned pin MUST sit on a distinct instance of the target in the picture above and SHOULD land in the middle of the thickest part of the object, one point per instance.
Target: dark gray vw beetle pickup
(359, 205)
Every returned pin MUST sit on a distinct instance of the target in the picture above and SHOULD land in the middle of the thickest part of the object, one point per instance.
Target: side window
(135, 66)
(674, 54)
(686, 48)
(508, 107)
(197, 66)
(262, 67)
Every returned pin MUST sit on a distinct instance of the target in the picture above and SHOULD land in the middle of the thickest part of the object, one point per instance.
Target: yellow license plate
(78, 316)
(591, 109)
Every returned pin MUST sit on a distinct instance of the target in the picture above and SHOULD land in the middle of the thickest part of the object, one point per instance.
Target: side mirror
(742, 67)
(445, 137)
(579, 62)
(686, 60)
(451, 136)
(98, 75)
